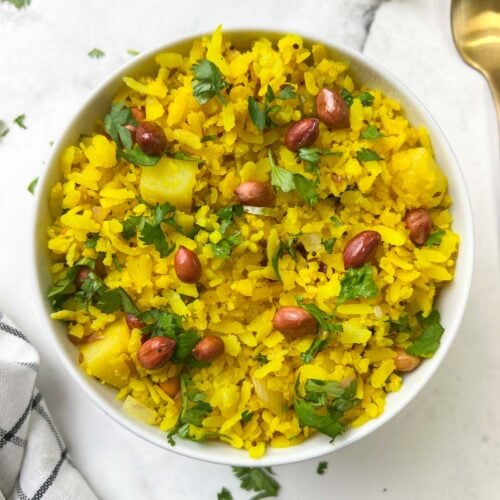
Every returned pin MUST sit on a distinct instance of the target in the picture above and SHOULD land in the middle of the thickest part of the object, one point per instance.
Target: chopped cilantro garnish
(207, 81)
(331, 399)
(256, 114)
(96, 53)
(19, 4)
(229, 212)
(347, 96)
(329, 244)
(138, 157)
(324, 319)
(3, 129)
(246, 416)
(259, 480)
(224, 494)
(428, 342)
(366, 98)
(114, 124)
(91, 242)
(435, 238)
(284, 248)
(400, 325)
(367, 155)
(32, 185)
(223, 249)
(321, 469)
(316, 346)
(194, 410)
(261, 359)
(306, 189)
(312, 157)
(287, 92)
(261, 116)
(133, 52)
(371, 133)
(357, 282)
(19, 121)
(116, 262)
(180, 155)
(207, 138)
(336, 221)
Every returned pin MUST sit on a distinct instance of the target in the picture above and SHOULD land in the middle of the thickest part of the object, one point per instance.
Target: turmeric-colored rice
(237, 298)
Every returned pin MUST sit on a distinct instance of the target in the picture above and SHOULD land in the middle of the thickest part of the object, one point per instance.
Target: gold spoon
(476, 32)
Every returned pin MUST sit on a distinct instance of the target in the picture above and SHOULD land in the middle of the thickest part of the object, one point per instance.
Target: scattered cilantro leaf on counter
(4, 130)
(19, 121)
(331, 399)
(329, 244)
(32, 185)
(19, 4)
(367, 155)
(371, 133)
(223, 249)
(96, 53)
(284, 248)
(194, 410)
(321, 469)
(224, 494)
(257, 479)
(428, 342)
(138, 157)
(435, 238)
(114, 124)
(246, 416)
(207, 82)
(357, 282)
(133, 52)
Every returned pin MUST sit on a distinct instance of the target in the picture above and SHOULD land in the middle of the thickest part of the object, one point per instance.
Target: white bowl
(451, 303)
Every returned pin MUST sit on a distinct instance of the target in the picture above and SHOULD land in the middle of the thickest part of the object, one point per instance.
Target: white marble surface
(446, 443)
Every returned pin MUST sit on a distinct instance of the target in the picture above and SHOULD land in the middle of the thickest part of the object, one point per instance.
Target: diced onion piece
(137, 410)
(266, 212)
(273, 400)
(311, 241)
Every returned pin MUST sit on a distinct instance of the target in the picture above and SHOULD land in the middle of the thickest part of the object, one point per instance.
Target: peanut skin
(255, 193)
(419, 224)
(187, 265)
(405, 362)
(360, 248)
(151, 138)
(302, 134)
(134, 322)
(155, 352)
(331, 109)
(209, 348)
(295, 322)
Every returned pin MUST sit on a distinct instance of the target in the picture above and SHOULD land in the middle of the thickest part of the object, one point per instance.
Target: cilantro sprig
(365, 97)
(357, 282)
(224, 494)
(284, 248)
(435, 238)
(323, 404)
(371, 133)
(261, 115)
(19, 121)
(208, 82)
(288, 181)
(428, 342)
(367, 155)
(257, 479)
(114, 124)
(223, 248)
(312, 158)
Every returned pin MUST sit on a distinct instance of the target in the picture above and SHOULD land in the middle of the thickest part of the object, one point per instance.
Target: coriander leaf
(207, 138)
(154, 235)
(313, 155)
(224, 494)
(336, 221)
(223, 249)
(371, 133)
(347, 96)
(435, 238)
(91, 290)
(3, 129)
(270, 95)
(116, 262)
(96, 54)
(180, 155)
(280, 177)
(115, 121)
(229, 212)
(287, 92)
(324, 319)
(367, 155)
(256, 114)
(357, 282)
(400, 325)
(19, 121)
(185, 344)
(138, 157)
(133, 52)
(283, 249)
(322, 466)
(131, 225)
(19, 4)
(316, 346)
(307, 415)
(306, 189)
(207, 81)
(329, 244)
(365, 98)
(259, 480)
(246, 416)
(32, 185)
(428, 342)
(161, 323)
(91, 242)
(261, 359)
(160, 211)
(62, 288)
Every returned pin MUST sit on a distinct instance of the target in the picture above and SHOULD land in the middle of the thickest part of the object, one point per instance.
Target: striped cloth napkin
(34, 461)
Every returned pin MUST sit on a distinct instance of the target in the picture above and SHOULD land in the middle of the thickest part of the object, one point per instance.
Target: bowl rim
(203, 452)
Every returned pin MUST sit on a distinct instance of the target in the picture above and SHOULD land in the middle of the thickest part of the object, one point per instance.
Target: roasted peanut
(134, 322)
(419, 223)
(187, 265)
(360, 248)
(208, 348)
(171, 386)
(138, 113)
(255, 193)
(405, 362)
(331, 108)
(155, 352)
(302, 134)
(151, 138)
(295, 322)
